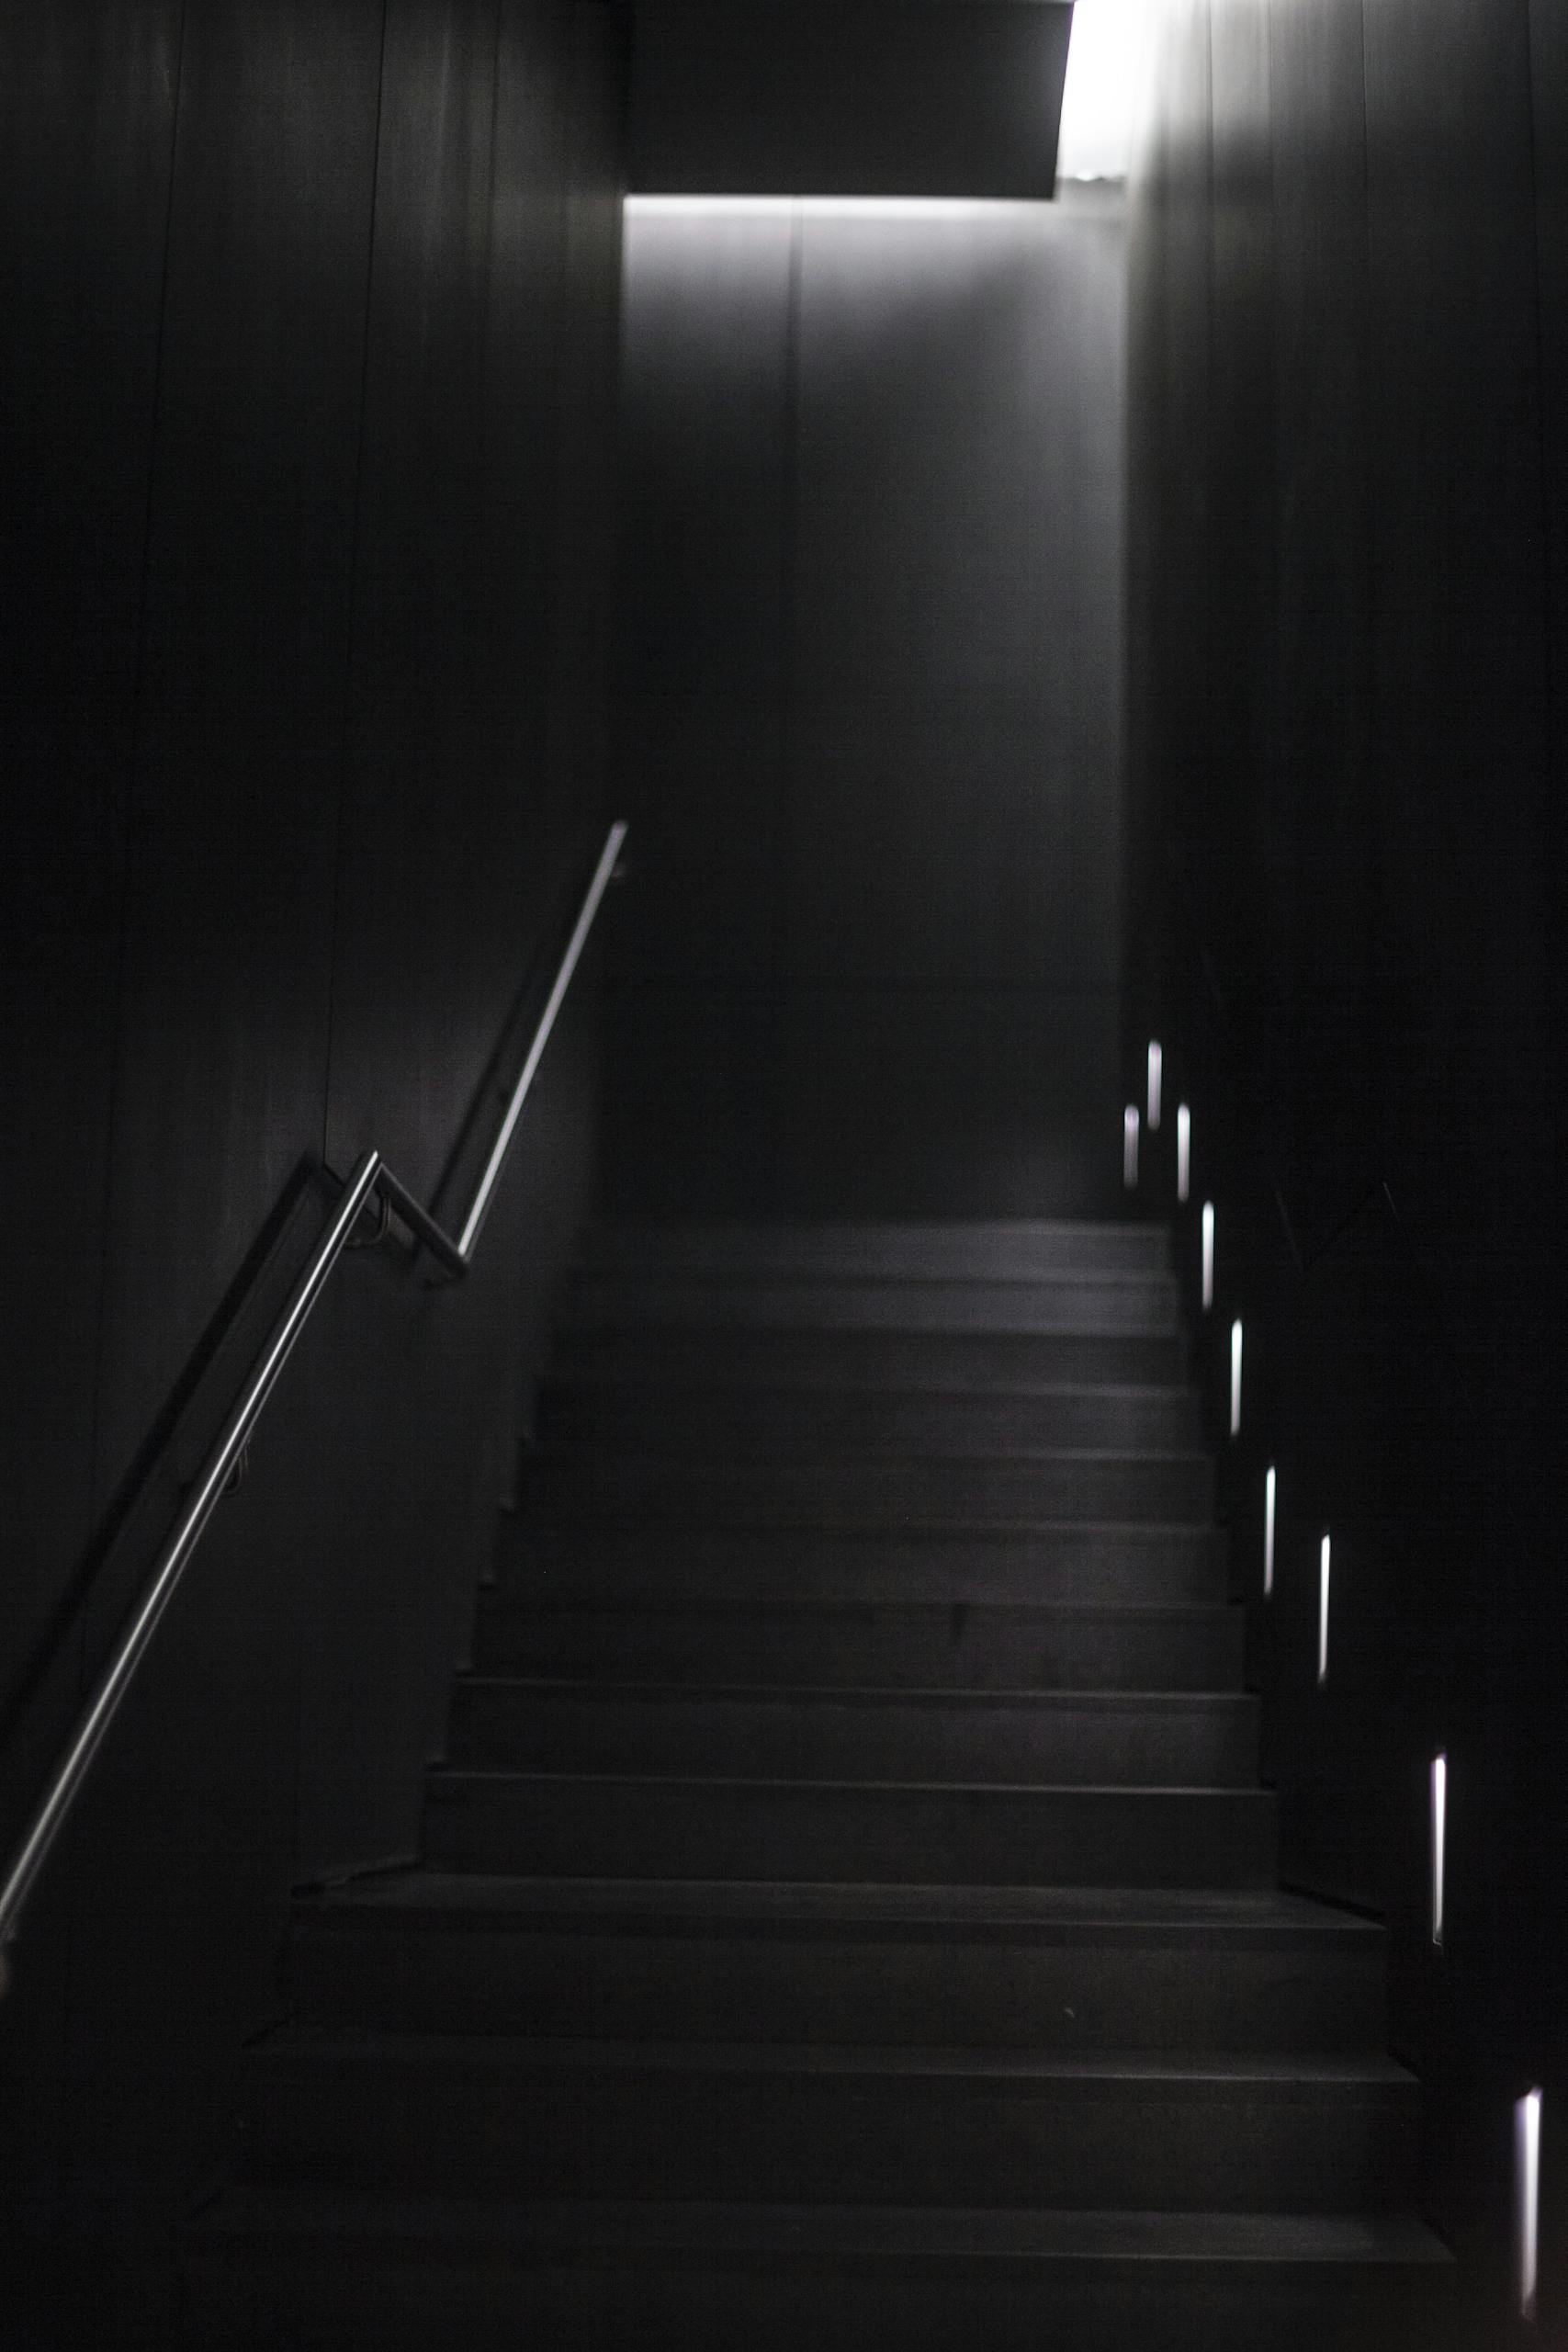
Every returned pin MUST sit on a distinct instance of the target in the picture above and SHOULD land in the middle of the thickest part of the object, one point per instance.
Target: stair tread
(1073, 1535)
(785, 1695)
(644, 1232)
(1178, 2069)
(1077, 1534)
(760, 1275)
(551, 1601)
(471, 1896)
(972, 1359)
(447, 1775)
(923, 2232)
(578, 1450)
(1090, 1304)
(695, 1382)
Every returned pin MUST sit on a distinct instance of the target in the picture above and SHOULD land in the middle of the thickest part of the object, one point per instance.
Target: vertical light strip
(1439, 1832)
(1208, 1255)
(1268, 1494)
(1183, 1151)
(1236, 1379)
(1526, 2194)
(1130, 1147)
(1323, 1613)
(1156, 1071)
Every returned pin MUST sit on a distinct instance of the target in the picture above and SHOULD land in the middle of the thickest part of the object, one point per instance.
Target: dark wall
(311, 316)
(1346, 387)
(868, 710)
(847, 97)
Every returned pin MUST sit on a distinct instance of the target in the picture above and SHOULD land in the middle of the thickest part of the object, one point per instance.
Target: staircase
(848, 1915)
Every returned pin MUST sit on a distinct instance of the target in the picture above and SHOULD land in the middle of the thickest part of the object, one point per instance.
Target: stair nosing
(933, 2234)
(1178, 2070)
(445, 1776)
(979, 1699)
(458, 1895)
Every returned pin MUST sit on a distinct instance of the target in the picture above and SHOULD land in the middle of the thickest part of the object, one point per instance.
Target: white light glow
(1183, 1151)
(1526, 2194)
(1104, 60)
(1156, 1064)
(1439, 1825)
(1236, 1379)
(1208, 1255)
(853, 207)
(1270, 1490)
(1323, 1613)
(1130, 1147)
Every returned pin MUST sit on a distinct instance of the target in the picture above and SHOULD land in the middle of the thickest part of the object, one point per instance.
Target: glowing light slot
(1323, 1613)
(1269, 1491)
(824, 208)
(1208, 1255)
(1183, 1151)
(1104, 68)
(1130, 1147)
(1236, 1379)
(1526, 2194)
(1156, 1067)
(1440, 1831)
(908, 208)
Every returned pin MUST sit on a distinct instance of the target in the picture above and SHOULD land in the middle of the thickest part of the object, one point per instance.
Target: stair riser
(926, 1359)
(623, 1828)
(474, 1979)
(620, 2130)
(698, 1423)
(1060, 1567)
(1143, 1304)
(314, 2302)
(1007, 1252)
(1200, 1743)
(955, 1648)
(591, 1485)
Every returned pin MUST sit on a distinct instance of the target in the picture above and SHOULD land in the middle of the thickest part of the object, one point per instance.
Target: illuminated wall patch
(1439, 1833)
(1323, 1613)
(1527, 2195)
(1269, 1491)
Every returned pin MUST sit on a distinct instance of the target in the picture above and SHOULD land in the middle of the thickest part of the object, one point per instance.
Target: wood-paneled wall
(1347, 382)
(312, 310)
(868, 710)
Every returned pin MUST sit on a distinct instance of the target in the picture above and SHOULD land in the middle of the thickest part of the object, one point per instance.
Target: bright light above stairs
(1103, 63)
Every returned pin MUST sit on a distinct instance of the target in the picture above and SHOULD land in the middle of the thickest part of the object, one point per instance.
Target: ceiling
(847, 97)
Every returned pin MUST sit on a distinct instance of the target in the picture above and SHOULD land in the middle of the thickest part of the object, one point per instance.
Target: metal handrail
(372, 1176)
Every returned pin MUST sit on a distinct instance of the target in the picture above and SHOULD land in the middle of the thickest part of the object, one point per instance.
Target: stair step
(1087, 1303)
(1102, 1563)
(703, 1418)
(1016, 1248)
(604, 1825)
(766, 2121)
(1193, 1739)
(1023, 1488)
(410, 2272)
(956, 1358)
(1056, 1967)
(961, 1645)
